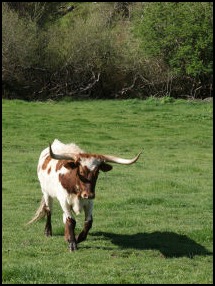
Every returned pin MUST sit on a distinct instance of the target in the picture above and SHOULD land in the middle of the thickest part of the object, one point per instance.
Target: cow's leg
(48, 226)
(83, 234)
(48, 209)
(69, 233)
(87, 224)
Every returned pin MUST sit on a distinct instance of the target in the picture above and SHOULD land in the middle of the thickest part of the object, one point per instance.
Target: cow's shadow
(169, 244)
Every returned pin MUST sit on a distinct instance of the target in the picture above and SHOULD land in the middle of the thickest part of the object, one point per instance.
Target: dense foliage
(107, 50)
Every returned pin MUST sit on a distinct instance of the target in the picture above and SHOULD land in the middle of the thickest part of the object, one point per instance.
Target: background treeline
(107, 49)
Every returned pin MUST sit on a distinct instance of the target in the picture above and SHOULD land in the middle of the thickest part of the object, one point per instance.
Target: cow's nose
(85, 196)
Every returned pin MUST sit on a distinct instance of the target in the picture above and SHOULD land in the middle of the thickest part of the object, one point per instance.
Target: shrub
(179, 33)
(107, 50)
(19, 50)
(82, 54)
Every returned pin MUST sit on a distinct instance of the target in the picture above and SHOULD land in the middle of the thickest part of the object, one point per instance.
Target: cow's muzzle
(86, 195)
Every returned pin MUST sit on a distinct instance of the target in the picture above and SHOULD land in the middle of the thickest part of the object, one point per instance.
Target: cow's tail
(40, 213)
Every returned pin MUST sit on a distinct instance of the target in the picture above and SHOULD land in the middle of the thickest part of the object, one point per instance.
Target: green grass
(152, 220)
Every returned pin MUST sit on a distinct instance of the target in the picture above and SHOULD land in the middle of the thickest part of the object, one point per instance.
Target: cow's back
(48, 169)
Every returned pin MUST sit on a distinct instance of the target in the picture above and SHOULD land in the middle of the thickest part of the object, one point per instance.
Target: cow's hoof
(48, 233)
(72, 246)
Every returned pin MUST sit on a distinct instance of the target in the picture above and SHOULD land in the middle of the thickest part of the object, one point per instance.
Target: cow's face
(86, 182)
(87, 174)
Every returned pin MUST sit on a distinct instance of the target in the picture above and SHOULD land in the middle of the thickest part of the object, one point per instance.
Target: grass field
(152, 220)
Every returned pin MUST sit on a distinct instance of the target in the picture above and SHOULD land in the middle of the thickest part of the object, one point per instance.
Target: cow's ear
(105, 167)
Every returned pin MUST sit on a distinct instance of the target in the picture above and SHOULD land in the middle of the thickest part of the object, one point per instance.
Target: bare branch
(89, 85)
(124, 90)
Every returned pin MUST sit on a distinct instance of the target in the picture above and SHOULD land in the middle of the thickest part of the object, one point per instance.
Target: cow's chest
(77, 204)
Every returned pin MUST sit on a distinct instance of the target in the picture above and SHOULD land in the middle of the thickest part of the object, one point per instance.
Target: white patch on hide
(90, 163)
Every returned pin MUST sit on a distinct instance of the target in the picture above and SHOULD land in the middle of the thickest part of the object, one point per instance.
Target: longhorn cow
(69, 174)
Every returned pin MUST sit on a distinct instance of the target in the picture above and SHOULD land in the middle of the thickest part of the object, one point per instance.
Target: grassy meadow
(152, 220)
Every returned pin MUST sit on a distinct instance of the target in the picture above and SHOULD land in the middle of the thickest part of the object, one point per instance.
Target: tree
(182, 36)
(41, 12)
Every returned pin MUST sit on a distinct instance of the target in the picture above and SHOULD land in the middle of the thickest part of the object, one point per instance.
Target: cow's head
(87, 168)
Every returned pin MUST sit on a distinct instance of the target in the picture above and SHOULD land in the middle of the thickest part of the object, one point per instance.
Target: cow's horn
(60, 156)
(113, 159)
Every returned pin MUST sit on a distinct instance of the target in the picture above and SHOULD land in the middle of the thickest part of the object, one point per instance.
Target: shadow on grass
(170, 244)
